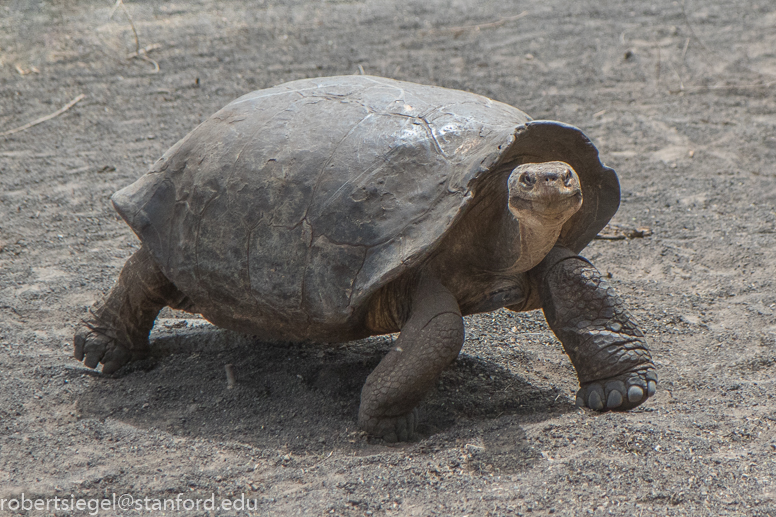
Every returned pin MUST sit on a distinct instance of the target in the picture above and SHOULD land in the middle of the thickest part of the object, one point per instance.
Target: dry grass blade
(139, 53)
(457, 31)
(44, 119)
(722, 87)
(717, 55)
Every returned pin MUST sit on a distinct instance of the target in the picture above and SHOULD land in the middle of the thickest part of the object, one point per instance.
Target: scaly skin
(429, 341)
(116, 330)
(609, 352)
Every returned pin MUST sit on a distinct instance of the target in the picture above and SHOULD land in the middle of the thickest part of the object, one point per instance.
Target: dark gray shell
(284, 211)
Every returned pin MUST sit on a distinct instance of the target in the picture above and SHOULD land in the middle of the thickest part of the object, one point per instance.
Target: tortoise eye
(527, 179)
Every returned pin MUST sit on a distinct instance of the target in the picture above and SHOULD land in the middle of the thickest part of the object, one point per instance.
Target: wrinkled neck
(536, 239)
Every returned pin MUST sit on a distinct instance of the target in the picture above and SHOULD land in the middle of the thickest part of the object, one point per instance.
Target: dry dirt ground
(680, 97)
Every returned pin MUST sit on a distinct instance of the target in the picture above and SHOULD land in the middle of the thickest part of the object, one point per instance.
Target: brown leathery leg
(429, 341)
(607, 349)
(116, 329)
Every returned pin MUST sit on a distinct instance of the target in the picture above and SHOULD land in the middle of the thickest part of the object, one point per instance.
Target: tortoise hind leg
(116, 329)
(430, 340)
(608, 351)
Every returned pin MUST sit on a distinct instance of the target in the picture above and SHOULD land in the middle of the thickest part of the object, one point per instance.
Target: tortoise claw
(618, 393)
(94, 344)
(393, 429)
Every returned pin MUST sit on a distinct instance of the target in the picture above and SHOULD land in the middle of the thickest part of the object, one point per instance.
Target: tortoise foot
(94, 344)
(619, 393)
(391, 429)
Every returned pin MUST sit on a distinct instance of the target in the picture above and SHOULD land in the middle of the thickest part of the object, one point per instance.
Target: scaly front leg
(609, 352)
(430, 340)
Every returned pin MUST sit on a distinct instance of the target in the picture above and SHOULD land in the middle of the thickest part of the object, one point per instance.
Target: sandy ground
(680, 97)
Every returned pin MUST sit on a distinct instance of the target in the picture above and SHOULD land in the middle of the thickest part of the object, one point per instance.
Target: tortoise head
(544, 194)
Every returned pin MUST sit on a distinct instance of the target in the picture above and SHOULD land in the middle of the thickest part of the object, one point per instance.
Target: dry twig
(616, 232)
(140, 53)
(230, 377)
(31, 70)
(318, 463)
(708, 50)
(44, 119)
(734, 86)
(657, 65)
(457, 31)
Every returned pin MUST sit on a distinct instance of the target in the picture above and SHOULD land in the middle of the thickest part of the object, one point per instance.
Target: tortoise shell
(287, 209)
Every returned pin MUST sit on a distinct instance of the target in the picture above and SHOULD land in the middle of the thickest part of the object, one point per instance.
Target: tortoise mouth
(550, 189)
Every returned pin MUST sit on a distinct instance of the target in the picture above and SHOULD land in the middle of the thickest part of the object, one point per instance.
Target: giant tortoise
(332, 209)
